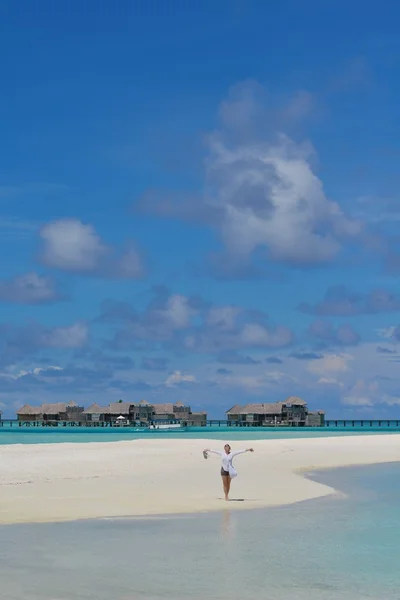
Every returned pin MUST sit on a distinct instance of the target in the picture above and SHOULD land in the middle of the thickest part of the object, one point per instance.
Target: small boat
(166, 426)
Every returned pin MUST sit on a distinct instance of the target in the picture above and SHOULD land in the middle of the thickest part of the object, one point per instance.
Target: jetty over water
(364, 424)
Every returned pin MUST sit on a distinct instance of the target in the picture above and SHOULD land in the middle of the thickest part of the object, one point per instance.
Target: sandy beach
(61, 482)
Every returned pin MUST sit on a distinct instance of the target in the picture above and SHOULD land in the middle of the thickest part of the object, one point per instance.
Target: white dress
(226, 460)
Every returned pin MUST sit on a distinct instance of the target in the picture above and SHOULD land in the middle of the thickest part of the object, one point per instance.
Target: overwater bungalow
(197, 419)
(170, 411)
(291, 412)
(51, 412)
(132, 412)
(95, 413)
(28, 413)
(178, 412)
(62, 412)
(123, 412)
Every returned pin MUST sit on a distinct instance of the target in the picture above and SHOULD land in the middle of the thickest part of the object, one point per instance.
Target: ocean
(50, 435)
(334, 548)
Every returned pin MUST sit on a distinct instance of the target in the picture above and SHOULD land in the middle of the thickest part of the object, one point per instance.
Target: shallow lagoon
(328, 549)
(50, 435)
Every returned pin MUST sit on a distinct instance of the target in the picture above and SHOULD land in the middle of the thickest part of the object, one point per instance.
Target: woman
(227, 470)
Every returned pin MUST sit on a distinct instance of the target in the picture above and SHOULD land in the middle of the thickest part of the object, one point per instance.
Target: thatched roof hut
(119, 408)
(235, 410)
(270, 408)
(27, 409)
(164, 409)
(96, 409)
(57, 408)
(295, 401)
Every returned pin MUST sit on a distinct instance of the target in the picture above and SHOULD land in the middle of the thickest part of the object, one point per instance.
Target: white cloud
(35, 371)
(239, 336)
(29, 288)
(254, 334)
(248, 382)
(163, 318)
(279, 377)
(178, 377)
(176, 312)
(268, 194)
(128, 265)
(350, 400)
(386, 332)
(330, 381)
(362, 393)
(330, 363)
(70, 245)
(391, 400)
(254, 383)
(369, 393)
(223, 317)
(261, 192)
(234, 327)
(72, 336)
(38, 370)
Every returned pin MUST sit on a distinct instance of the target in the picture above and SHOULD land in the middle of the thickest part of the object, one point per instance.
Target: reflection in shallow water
(227, 526)
(324, 550)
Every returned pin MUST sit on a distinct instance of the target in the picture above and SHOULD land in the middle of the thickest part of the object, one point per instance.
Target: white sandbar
(61, 482)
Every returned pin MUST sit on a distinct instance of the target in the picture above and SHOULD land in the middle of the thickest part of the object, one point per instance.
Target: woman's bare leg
(226, 482)
(229, 484)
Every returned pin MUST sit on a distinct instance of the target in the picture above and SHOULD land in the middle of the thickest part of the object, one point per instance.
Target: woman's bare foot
(226, 498)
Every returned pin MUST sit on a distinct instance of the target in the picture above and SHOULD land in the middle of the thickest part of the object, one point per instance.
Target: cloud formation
(35, 371)
(257, 384)
(329, 335)
(330, 363)
(274, 360)
(162, 320)
(341, 302)
(261, 193)
(178, 378)
(367, 393)
(18, 343)
(154, 364)
(70, 245)
(30, 288)
(230, 357)
(190, 324)
(304, 355)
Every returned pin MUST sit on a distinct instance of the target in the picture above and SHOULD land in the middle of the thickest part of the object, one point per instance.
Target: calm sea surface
(329, 549)
(43, 435)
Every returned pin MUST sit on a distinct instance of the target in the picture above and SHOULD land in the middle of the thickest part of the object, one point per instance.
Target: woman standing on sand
(227, 470)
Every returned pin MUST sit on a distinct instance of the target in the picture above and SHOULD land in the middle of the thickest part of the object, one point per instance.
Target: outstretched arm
(214, 452)
(242, 452)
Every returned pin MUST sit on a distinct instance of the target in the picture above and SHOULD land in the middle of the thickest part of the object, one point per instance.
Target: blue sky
(199, 202)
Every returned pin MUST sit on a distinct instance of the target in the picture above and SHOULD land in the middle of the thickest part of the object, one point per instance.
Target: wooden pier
(209, 423)
(392, 423)
(329, 423)
(16, 423)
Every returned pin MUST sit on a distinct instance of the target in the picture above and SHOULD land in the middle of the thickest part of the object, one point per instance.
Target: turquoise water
(328, 549)
(43, 435)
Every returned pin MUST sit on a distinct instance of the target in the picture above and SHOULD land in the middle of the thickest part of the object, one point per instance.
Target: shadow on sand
(240, 499)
